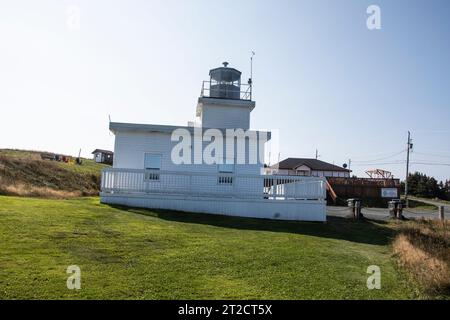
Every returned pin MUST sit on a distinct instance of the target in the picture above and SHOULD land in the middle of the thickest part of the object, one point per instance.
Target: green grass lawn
(144, 254)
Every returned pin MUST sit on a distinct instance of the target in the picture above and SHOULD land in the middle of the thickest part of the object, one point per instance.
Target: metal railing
(226, 91)
(219, 185)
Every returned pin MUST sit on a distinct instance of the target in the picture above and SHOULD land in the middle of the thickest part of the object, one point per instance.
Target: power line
(427, 160)
(432, 155)
(375, 155)
(432, 130)
(385, 154)
(379, 159)
(422, 162)
(378, 163)
(432, 163)
(434, 150)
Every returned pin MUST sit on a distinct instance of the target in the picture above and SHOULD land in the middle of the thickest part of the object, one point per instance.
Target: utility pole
(317, 155)
(408, 147)
(349, 163)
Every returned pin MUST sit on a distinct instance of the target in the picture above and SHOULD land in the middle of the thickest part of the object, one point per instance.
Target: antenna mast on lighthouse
(250, 81)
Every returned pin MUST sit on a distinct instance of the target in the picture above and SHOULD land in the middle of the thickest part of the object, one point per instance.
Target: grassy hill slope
(23, 173)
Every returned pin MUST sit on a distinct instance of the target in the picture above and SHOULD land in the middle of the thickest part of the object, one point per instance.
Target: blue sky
(320, 76)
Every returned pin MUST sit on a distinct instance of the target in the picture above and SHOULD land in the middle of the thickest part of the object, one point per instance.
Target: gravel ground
(383, 213)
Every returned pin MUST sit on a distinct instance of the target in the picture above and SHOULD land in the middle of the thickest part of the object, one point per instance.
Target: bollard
(357, 209)
(351, 206)
(441, 213)
(392, 209)
(399, 210)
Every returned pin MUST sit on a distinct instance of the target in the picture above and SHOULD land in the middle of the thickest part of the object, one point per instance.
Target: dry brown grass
(30, 176)
(30, 191)
(423, 249)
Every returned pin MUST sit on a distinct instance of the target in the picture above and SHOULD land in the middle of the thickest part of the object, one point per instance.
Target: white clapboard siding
(130, 148)
(216, 116)
(306, 210)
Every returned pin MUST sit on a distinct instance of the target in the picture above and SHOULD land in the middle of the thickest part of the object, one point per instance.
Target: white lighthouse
(145, 174)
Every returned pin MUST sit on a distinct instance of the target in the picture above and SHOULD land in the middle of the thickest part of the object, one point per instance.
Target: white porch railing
(222, 185)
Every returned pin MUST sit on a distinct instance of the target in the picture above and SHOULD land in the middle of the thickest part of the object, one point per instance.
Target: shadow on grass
(366, 231)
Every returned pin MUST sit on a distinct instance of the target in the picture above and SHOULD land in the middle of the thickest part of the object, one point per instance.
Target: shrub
(423, 249)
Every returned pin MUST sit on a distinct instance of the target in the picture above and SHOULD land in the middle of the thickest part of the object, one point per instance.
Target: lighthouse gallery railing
(200, 184)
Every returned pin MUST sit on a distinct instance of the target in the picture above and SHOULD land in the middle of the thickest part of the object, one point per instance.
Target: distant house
(308, 167)
(103, 156)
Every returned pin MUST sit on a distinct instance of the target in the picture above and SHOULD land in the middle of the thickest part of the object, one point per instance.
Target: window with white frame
(152, 161)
